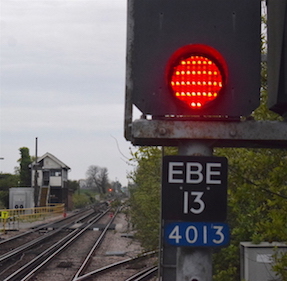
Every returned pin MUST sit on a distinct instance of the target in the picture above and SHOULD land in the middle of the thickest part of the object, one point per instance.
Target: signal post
(194, 203)
(193, 71)
(194, 263)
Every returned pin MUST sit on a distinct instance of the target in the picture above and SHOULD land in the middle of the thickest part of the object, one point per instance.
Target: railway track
(144, 274)
(21, 259)
(88, 258)
(24, 241)
(74, 257)
(33, 233)
(27, 271)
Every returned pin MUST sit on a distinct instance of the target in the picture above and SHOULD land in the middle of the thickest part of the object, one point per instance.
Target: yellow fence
(31, 214)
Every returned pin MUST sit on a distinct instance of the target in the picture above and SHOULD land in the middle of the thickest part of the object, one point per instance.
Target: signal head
(197, 75)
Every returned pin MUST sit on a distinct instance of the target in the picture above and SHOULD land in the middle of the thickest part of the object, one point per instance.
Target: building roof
(54, 158)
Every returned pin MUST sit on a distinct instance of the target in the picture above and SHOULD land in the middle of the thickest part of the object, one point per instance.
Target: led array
(196, 80)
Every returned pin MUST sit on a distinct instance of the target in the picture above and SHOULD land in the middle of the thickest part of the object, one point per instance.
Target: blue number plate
(199, 234)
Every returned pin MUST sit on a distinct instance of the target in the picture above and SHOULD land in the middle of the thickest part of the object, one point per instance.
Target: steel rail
(35, 242)
(41, 227)
(113, 265)
(28, 270)
(144, 274)
(95, 246)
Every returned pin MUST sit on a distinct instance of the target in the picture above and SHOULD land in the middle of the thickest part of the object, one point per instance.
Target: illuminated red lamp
(197, 75)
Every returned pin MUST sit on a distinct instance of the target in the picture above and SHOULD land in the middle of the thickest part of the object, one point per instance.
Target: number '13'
(198, 195)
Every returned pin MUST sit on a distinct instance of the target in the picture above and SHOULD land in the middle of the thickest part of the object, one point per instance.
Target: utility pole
(36, 187)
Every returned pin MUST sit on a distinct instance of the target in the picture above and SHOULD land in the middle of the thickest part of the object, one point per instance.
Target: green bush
(81, 200)
(4, 199)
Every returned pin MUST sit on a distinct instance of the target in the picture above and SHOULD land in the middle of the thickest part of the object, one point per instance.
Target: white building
(51, 180)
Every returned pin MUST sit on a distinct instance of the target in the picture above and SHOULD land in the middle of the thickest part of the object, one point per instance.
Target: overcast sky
(63, 80)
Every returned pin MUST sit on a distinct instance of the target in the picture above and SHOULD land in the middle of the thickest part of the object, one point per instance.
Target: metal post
(194, 264)
(36, 187)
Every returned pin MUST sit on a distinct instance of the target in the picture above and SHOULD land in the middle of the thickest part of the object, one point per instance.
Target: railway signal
(197, 76)
(193, 58)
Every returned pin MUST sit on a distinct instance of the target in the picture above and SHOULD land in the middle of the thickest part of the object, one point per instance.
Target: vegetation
(22, 177)
(25, 172)
(73, 185)
(257, 203)
(6, 181)
(145, 195)
(97, 179)
(83, 199)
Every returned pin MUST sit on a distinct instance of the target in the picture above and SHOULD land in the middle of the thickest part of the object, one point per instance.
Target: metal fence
(31, 214)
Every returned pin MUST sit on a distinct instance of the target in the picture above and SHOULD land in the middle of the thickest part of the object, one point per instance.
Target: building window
(56, 173)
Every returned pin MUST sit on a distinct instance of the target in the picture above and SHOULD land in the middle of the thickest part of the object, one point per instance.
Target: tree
(257, 195)
(103, 180)
(25, 172)
(256, 203)
(97, 178)
(116, 186)
(145, 195)
(6, 181)
(73, 185)
(91, 175)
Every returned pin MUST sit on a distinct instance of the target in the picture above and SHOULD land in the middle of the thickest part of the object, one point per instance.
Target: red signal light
(197, 75)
